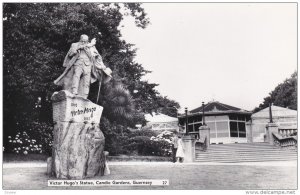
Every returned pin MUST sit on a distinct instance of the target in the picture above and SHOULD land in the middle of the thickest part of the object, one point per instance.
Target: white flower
(27, 148)
(41, 151)
(21, 142)
(14, 141)
(9, 140)
(9, 136)
(19, 148)
(25, 152)
(17, 151)
(40, 145)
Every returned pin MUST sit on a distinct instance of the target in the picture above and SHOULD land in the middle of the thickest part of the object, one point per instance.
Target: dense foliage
(284, 95)
(36, 38)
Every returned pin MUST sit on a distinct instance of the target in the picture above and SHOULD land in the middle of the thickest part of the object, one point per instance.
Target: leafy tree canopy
(284, 95)
(37, 37)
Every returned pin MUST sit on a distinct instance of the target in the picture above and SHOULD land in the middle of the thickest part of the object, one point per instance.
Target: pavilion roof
(277, 112)
(217, 108)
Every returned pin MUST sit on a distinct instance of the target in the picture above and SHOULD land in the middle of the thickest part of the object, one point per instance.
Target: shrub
(147, 133)
(143, 145)
(43, 132)
(23, 144)
(35, 138)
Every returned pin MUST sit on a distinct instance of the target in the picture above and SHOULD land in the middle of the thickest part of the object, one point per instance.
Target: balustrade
(285, 142)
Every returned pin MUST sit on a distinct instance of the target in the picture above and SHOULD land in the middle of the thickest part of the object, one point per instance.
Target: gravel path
(213, 176)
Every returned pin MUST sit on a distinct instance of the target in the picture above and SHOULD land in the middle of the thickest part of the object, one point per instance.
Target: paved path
(190, 176)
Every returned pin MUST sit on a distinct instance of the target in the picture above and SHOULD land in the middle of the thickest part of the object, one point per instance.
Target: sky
(232, 53)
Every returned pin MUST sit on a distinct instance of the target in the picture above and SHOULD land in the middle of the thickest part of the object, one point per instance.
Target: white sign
(139, 182)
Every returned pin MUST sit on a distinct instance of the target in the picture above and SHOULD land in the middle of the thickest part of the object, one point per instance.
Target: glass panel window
(212, 135)
(241, 118)
(223, 134)
(197, 126)
(242, 127)
(211, 125)
(233, 129)
(233, 117)
(219, 118)
(198, 119)
(222, 126)
(190, 128)
(210, 118)
(242, 134)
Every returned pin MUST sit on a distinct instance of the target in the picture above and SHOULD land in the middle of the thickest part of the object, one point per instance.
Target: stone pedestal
(249, 133)
(270, 129)
(188, 143)
(78, 144)
(204, 132)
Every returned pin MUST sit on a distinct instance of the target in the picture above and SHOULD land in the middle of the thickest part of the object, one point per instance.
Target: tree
(284, 95)
(36, 38)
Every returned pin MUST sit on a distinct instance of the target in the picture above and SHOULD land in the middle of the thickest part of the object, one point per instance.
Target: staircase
(254, 152)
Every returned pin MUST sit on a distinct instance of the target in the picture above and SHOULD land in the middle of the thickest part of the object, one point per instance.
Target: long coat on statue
(98, 70)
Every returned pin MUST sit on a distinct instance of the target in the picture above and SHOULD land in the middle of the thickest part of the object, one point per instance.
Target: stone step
(247, 160)
(235, 157)
(241, 147)
(245, 156)
(258, 152)
(246, 152)
(240, 161)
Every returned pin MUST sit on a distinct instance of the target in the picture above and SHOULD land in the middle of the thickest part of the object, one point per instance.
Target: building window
(233, 129)
(197, 126)
(242, 129)
(237, 129)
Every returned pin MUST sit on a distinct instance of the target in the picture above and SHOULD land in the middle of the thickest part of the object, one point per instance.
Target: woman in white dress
(180, 151)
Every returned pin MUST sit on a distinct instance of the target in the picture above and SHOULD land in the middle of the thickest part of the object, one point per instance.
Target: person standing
(174, 147)
(180, 151)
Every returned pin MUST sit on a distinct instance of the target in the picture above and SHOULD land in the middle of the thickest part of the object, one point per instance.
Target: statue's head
(84, 38)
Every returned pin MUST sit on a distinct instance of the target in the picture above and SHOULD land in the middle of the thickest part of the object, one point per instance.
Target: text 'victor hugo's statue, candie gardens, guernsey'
(78, 142)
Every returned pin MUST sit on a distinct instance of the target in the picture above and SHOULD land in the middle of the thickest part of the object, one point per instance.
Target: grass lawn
(181, 176)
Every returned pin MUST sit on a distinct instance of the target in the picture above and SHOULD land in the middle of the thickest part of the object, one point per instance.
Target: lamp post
(270, 112)
(186, 121)
(203, 114)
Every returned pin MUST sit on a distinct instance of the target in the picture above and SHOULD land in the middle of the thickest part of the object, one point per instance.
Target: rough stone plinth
(78, 144)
